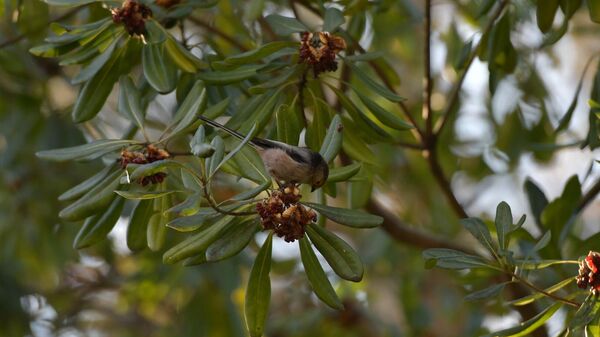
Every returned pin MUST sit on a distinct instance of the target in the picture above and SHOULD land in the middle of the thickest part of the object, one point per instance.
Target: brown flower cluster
(133, 15)
(319, 50)
(589, 274)
(284, 215)
(150, 154)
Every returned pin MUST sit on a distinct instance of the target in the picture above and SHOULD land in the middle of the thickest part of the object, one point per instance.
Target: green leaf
(453, 259)
(217, 110)
(535, 296)
(340, 256)
(156, 231)
(594, 9)
(525, 328)
(248, 164)
(69, 2)
(480, 231)
(486, 293)
(190, 206)
(251, 193)
(232, 153)
(258, 53)
(557, 216)
(94, 200)
(288, 74)
(87, 151)
(376, 87)
(159, 69)
(258, 290)
(349, 217)
(130, 101)
(198, 242)
(540, 264)
(97, 227)
(503, 223)
(545, 12)
(143, 195)
(587, 312)
(193, 222)
(187, 113)
(231, 76)
(343, 173)
(83, 187)
(94, 67)
(537, 199)
(354, 146)
(94, 92)
(566, 118)
(333, 140)
(543, 241)
(183, 58)
(198, 145)
(154, 167)
(138, 225)
(386, 117)
(289, 124)
(332, 19)
(155, 33)
(232, 241)
(316, 276)
(283, 25)
(217, 157)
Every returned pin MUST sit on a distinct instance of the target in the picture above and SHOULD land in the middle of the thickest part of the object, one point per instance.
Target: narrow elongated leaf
(138, 224)
(285, 25)
(154, 167)
(156, 231)
(97, 227)
(333, 140)
(486, 293)
(343, 173)
(453, 259)
(230, 76)
(566, 118)
(546, 10)
(193, 222)
(480, 231)
(376, 87)
(182, 57)
(198, 242)
(248, 164)
(537, 199)
(92, 69)
(190, 206)
(503, 223)
(217, 157)
(317, 277)
(88, 151)
(587, 312)
(94, 92)
(130, 102)
(332, 19)
(159, 69)
(386, 117)
(594, 9)
(349, 217)
(94, 200)
(217, 110)
(533, 297)
(251, 193)
(143, 195)
(340, 256)
(83, 187)
(289, 124)
(525, 328)
(232, 241)
(287, 75)
(541, 264)
(249, 136)
(69, 2)
(258, 53)
(258, 290)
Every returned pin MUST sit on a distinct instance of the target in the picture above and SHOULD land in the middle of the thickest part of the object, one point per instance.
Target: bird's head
(320, 173)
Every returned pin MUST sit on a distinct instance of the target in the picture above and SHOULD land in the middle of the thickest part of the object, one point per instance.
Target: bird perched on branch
(286, 163)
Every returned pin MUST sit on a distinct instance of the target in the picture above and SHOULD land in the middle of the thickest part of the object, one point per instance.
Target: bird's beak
(313, 188)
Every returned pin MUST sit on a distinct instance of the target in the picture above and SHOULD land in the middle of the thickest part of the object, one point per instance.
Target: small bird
(286, 163)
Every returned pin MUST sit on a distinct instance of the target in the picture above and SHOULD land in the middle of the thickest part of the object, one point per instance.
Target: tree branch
(427, 80)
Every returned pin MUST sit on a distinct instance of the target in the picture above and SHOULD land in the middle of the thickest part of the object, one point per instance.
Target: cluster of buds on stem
(133, 15)
(319, 50)
(148, 155)
(284, 215)
(589, 273)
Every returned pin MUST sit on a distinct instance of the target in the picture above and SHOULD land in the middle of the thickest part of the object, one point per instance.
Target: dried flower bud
(589, 274)
(133, 15)
(284, 215)
(319, 50)
(150, 154)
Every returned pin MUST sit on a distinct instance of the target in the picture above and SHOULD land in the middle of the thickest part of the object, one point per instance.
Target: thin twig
(543, 292)
(218, 32)
(588, 197)
(452, 101)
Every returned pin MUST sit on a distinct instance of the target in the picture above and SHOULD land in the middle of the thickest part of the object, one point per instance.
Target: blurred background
(498, 139)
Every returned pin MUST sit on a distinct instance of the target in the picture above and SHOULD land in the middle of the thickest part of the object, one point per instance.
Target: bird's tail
(222, 127)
